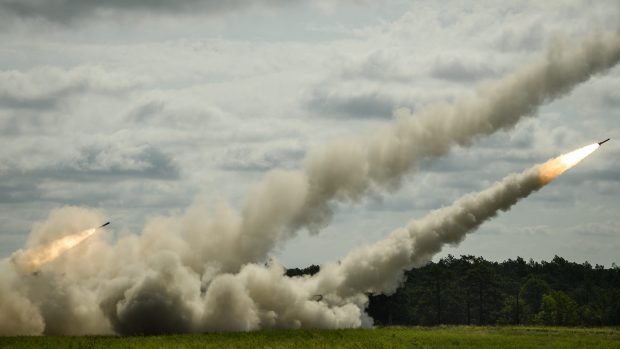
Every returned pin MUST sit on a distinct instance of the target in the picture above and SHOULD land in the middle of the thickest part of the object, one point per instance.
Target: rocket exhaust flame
(32, 259)
(555, 167)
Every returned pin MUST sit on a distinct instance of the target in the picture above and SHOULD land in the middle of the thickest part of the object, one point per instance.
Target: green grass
(392, 337)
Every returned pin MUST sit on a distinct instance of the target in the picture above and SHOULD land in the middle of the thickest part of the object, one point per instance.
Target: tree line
(473, 291)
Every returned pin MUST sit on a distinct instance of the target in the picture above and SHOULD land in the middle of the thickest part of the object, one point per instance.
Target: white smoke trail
(379, 268)
(346, 170)
(194, 272)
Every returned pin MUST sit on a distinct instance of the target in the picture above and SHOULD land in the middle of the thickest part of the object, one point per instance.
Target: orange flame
(32, 259)
(555, 167)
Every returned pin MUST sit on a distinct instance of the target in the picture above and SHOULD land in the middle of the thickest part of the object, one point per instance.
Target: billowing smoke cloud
(197, 272)
(156, 293)
(71, 11)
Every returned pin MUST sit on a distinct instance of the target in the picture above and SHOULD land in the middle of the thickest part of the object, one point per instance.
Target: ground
(392, 337)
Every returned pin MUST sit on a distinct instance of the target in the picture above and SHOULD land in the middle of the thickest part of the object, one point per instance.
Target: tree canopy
(473, 291)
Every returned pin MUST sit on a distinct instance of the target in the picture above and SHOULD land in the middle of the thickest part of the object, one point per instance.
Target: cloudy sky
(142, 108)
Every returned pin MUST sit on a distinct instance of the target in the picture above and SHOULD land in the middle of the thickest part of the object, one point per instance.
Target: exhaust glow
(555, 167)
(32, 259)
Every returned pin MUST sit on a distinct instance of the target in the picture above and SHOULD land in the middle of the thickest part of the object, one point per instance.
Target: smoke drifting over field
(199, 272)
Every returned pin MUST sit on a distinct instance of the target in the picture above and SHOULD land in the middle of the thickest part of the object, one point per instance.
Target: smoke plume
(199, 272)
(163, 295)
(345, 170)
(379, 268)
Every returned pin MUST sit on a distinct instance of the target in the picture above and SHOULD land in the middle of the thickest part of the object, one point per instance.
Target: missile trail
(286, 201)
(379, 268)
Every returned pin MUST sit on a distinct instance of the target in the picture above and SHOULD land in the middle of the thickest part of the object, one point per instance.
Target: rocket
(601, 142)
(103, 225)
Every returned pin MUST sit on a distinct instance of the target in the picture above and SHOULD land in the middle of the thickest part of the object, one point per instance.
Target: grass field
(436, 337)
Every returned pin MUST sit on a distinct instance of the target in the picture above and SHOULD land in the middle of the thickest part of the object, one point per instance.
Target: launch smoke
(200, 272)
(170, 298)
(379, 268)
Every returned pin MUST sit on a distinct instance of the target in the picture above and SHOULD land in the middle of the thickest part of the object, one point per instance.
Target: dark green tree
(532, 293)
(557, 308)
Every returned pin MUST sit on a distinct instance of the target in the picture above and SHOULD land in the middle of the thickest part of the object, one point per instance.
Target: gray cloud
(379, 66)
(39, 103)
(46, 88)
(112, 162)
(245, 158)
(15, 190)
(167, 114)
(109, 161)
(611, 99)
(530, 36)
(458, 70)
(364, 105)
(8, 240)
(146, 111)
(20, 122)
(95, 164)
(607, 230)
(43, 100)
(68, 11)
(609, 174)
(409, 200)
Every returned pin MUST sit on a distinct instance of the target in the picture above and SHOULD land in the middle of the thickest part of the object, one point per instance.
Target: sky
(141, 109)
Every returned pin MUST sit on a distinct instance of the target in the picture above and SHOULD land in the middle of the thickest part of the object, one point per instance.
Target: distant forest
(473, 291)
